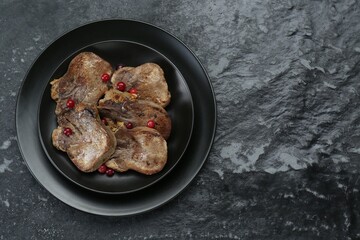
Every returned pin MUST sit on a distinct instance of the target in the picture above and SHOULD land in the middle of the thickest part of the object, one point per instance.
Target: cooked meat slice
(123, 107)
(141, 149)
(82, 81)
(91, 142)
(148, 79)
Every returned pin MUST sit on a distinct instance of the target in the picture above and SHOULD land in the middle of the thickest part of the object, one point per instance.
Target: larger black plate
(148, 198)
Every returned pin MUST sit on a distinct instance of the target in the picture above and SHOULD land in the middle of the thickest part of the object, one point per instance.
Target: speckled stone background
(285, 161)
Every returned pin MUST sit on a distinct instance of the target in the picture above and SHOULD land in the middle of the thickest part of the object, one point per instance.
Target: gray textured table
(285, 161)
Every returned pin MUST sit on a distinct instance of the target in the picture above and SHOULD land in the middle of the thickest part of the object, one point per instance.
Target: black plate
(36, 80)
(180, 111)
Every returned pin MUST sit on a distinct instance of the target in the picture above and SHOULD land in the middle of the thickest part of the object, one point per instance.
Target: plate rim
(187, 182)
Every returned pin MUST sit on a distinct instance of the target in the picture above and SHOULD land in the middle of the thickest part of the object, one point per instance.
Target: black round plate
(37, 79)
(180, 111)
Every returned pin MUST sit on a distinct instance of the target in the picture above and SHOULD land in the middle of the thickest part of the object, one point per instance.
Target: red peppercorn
(128, 125)
(70, 103)
(110, 172)
(105, 77)
(67, 131)
(133, 91)
(151, 124)
(121, 86)
(102, 169)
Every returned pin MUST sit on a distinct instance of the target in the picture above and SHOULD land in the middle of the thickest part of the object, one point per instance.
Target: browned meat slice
(149, 81)
(122, 106)
(141, 149)
(82, 81)
(90, 144)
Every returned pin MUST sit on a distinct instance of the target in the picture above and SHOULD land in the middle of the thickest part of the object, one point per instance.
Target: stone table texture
(285, 162)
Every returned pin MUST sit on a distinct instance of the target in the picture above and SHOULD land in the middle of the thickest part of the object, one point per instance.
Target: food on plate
(148, 79)
(141, 149)
(125, 107)
(82, 135)
(112, 121)
(83, 81)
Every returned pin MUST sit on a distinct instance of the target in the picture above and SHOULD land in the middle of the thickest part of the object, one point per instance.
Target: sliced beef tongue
(123, 107)
(82, 82)
(148, 79)
(141, 149)
(91, 142)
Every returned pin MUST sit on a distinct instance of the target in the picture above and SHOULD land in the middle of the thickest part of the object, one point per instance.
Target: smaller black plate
(180, 110)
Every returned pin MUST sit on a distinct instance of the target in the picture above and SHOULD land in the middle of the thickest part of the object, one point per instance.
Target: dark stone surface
(285, 162)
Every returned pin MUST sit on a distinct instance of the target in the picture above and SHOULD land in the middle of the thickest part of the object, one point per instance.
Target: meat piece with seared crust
(90, 144)
(124, 107)
(149, 81)
(82, 81)
(141, 149)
